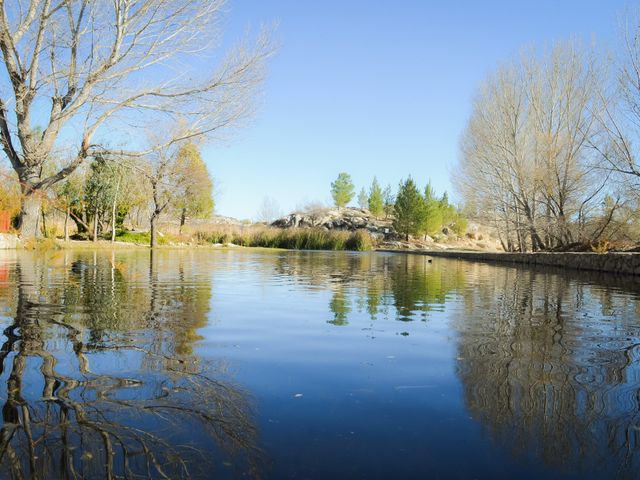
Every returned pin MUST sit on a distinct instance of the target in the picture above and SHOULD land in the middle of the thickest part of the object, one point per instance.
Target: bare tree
(620, 119)
(494, 173)
(565, 99)
(269, 210)
(526, 156)
(91, 66)
(163, 181)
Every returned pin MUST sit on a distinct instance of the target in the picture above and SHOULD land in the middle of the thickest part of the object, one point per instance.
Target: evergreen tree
(409, 209)
(363, 199)
(433, 214)
(449, 212)
(376, 200)
(342, 190)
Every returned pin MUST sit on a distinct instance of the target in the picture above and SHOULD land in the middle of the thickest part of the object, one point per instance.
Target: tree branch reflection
(101, 381)
(549, 366)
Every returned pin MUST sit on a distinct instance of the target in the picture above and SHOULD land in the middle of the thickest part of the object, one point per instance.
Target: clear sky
(377, 88)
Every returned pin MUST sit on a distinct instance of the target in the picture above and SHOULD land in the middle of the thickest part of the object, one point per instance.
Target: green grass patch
(141, 238)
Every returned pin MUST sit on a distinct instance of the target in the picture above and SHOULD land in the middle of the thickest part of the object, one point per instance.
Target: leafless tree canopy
(76, 70)
(621, 117)
(527, 159)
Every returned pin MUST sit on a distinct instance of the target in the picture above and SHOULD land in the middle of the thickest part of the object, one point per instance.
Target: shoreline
(611, 262)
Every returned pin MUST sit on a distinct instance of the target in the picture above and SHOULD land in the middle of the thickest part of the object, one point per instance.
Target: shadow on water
(99, 379)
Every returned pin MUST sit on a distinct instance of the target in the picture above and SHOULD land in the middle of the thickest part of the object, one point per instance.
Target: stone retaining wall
(624, 263)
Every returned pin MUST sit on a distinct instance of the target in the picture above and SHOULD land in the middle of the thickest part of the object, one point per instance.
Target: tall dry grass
(269, 237)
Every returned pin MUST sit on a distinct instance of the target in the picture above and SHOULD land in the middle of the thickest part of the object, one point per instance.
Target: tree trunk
(113, 213)
(183, 219)
(29, 219)
(113, 223)
(153, 232)
(81, 225)
(95, 227)
(66, 224)
(44, 223)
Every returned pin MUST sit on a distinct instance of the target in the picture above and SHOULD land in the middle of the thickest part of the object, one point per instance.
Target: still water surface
(312, 365)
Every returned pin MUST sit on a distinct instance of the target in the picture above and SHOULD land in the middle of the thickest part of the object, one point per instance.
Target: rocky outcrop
(383, 232)
(333, 219)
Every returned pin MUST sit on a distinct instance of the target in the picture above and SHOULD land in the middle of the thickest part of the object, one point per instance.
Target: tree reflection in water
(407, 286)
(98, 376)
(99, 379)
(549, 365)
(549, 360)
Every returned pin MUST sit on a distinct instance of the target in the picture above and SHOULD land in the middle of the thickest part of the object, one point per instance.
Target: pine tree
(449, 213)
(408, 209)
(376, 200)
(342, 190)
(433, 212)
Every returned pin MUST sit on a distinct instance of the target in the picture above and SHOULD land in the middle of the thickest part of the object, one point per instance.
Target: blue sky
(376, 88)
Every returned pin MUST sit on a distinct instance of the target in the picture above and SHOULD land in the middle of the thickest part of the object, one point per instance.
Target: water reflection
(549, 360)
(411, 285)
(418, 287)
(99, 379)
(549, 366)
(103, 374)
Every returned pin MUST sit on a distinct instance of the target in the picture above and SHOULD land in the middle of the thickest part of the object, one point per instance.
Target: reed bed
(269, 237)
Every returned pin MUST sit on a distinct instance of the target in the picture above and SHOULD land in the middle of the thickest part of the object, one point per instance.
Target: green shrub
(142, 238)
(460, 226)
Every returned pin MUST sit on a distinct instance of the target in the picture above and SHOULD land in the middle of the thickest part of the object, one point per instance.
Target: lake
(240, 363)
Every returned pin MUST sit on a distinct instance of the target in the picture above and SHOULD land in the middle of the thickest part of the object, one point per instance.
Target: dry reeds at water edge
(294, 238)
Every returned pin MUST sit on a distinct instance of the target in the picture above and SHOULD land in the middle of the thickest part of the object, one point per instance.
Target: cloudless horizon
(376, 89)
